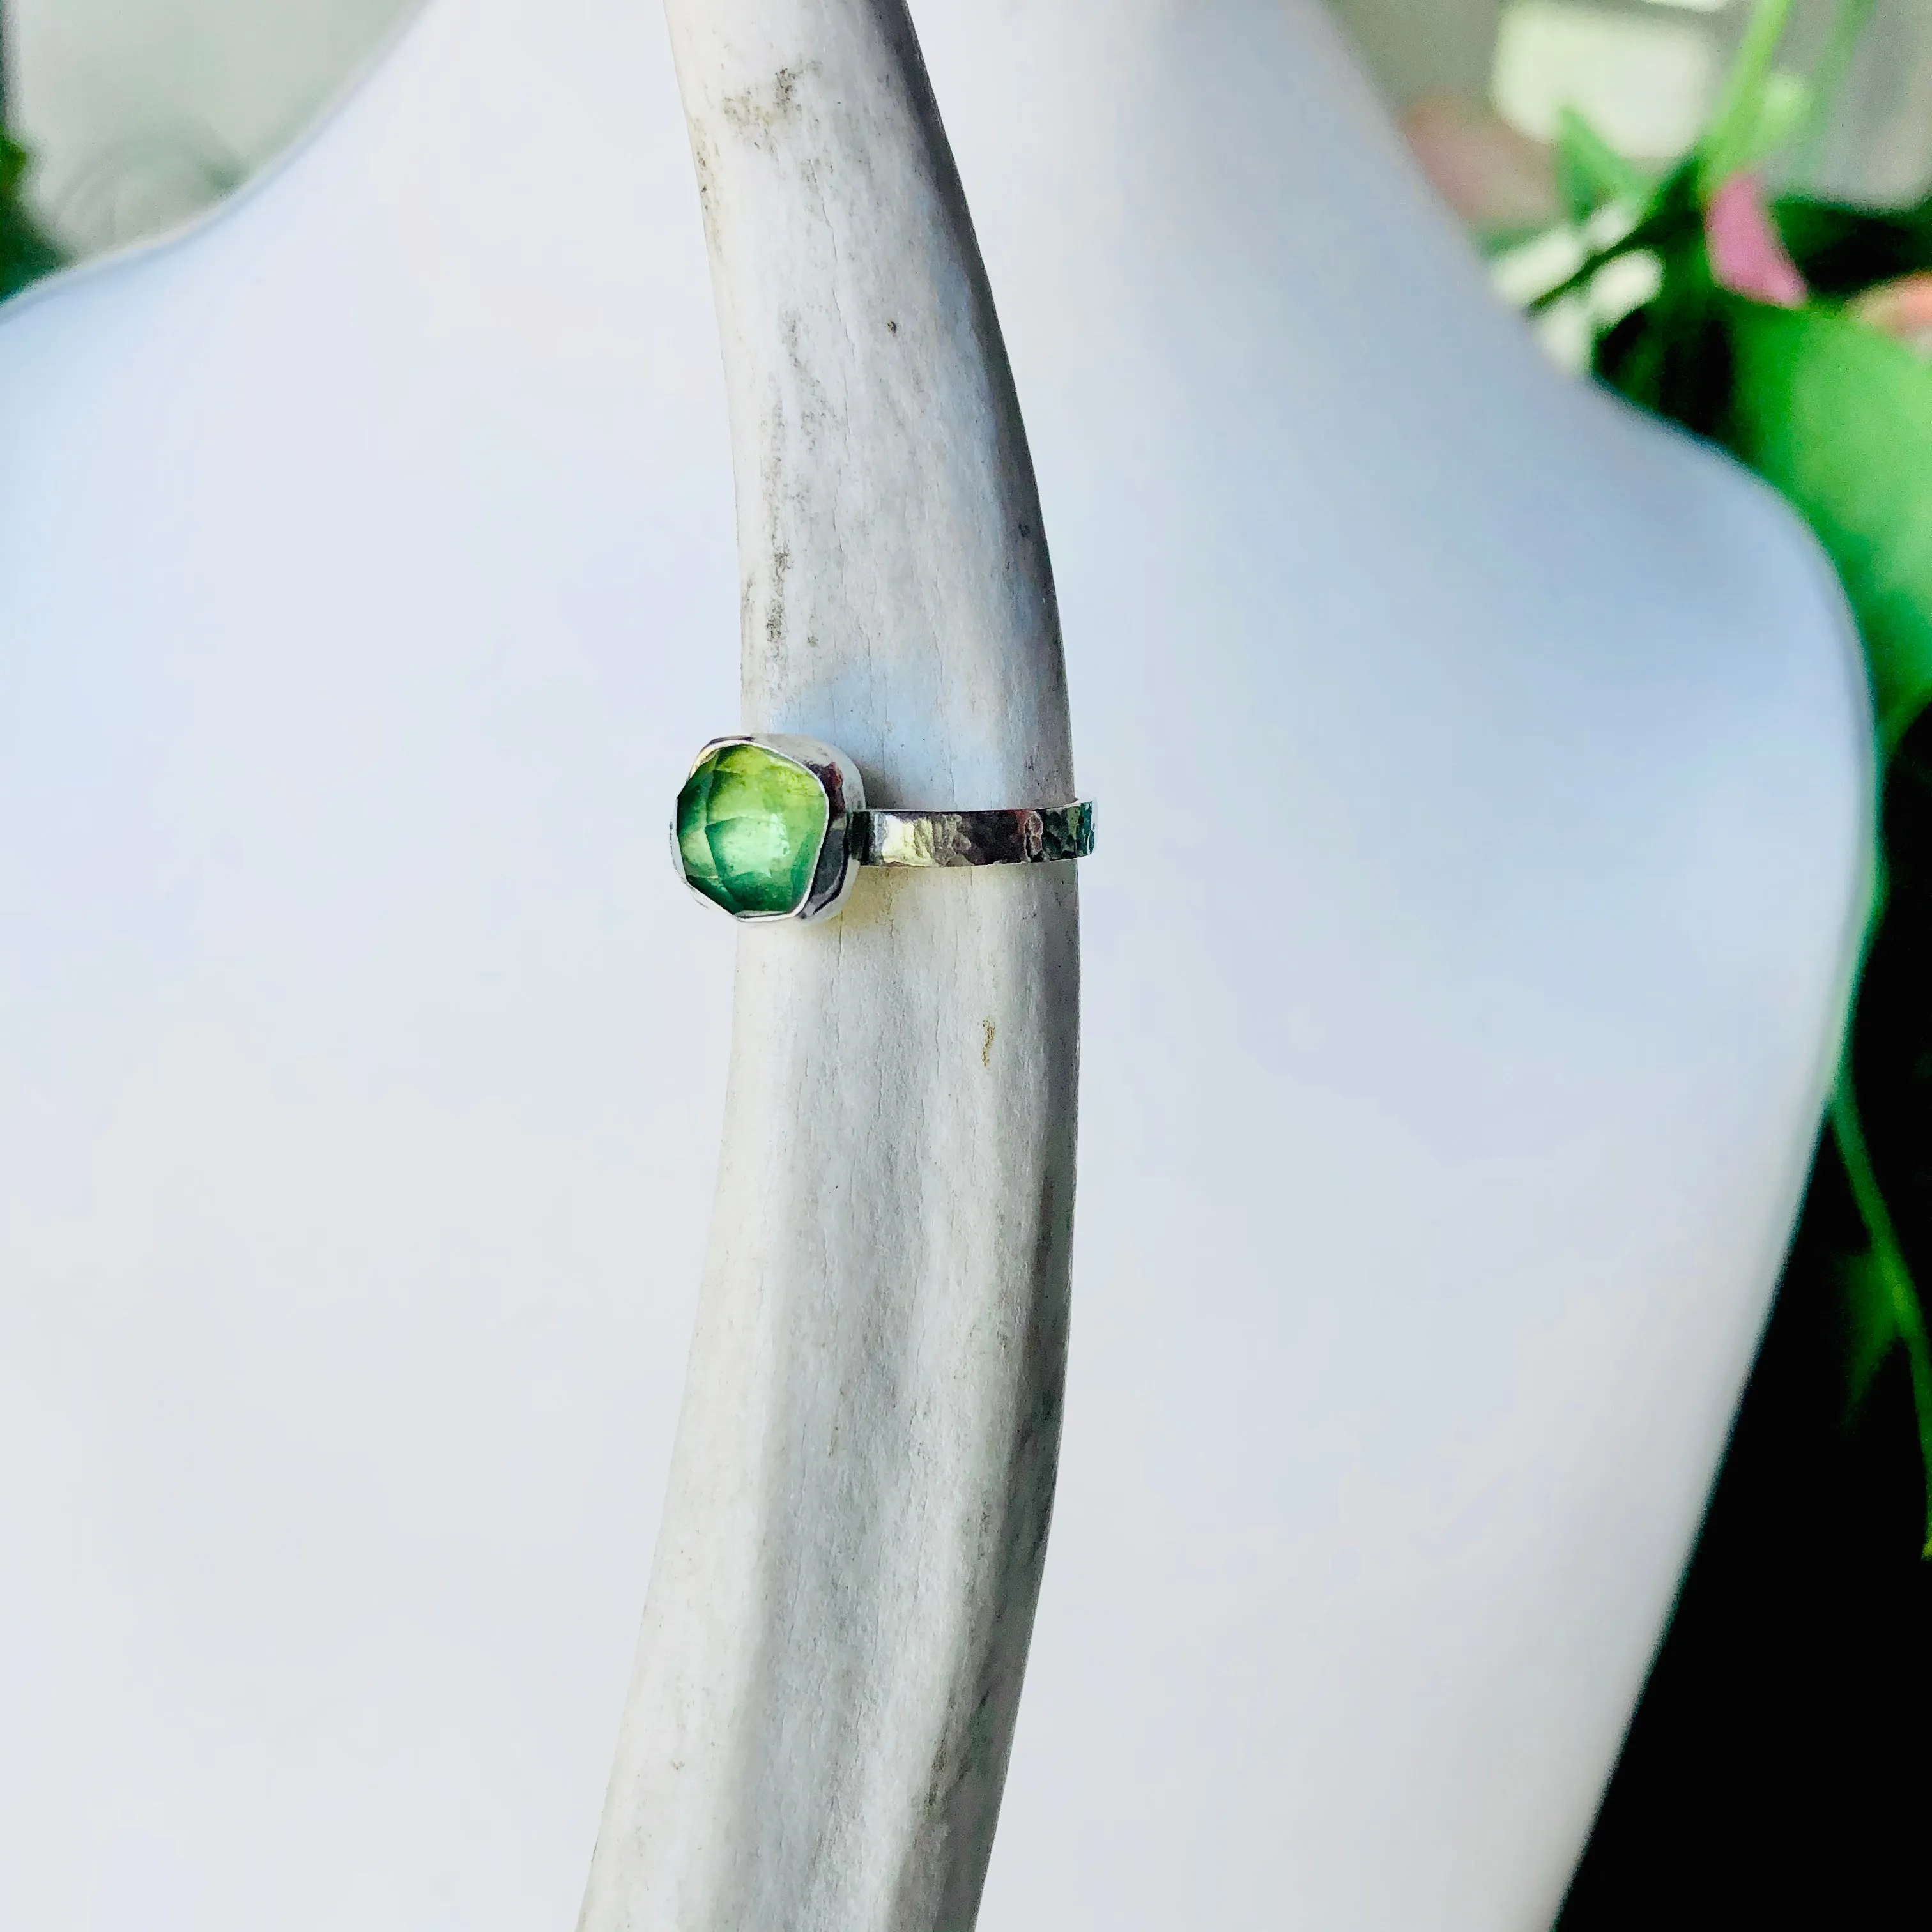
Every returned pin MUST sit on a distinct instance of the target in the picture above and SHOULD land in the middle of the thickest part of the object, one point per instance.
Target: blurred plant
(25, 252)
(1789, 331)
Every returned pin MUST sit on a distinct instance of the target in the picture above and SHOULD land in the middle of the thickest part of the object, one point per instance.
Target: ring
(776, 827)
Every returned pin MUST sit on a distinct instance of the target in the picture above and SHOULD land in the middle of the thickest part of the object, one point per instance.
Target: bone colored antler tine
(845, 1581)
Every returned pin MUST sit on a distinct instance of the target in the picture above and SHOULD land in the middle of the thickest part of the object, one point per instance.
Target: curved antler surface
(845, 1578)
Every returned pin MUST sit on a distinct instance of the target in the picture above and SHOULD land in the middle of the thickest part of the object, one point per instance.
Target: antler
(844, 1581)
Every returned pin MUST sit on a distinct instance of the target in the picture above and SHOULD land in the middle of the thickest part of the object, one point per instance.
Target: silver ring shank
(1016, 835)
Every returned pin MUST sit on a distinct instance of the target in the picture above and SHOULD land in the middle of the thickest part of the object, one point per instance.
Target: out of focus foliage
(25, 252)
(1784, 330)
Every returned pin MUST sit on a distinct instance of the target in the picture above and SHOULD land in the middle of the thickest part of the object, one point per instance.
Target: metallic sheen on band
(1013, 835)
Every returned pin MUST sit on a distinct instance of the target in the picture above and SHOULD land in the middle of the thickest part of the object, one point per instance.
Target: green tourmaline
(750, 825)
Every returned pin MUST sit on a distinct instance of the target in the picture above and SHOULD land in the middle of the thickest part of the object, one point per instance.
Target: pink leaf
(1747, 254)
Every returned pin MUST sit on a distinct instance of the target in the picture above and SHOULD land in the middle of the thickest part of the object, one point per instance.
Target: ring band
(770, 827)
(1022, 835)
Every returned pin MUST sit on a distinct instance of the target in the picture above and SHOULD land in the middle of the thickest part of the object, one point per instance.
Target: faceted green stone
(750, 825)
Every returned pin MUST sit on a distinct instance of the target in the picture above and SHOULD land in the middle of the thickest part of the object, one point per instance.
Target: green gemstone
(750, 825)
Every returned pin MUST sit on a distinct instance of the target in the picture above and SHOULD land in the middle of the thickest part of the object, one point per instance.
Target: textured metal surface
(1013, 835)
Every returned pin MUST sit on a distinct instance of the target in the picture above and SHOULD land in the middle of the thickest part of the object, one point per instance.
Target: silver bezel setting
(837, 863)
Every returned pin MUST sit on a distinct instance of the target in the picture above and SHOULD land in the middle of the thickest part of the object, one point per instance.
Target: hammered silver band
(1013, 835)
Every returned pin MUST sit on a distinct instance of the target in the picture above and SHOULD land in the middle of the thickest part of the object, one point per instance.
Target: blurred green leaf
(1839, 419)
(1755, 102)
(1871, 1323)
(1882, 1305)
(1590, 173)
(1783, 112)
(1673, 356)
(25, 252)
